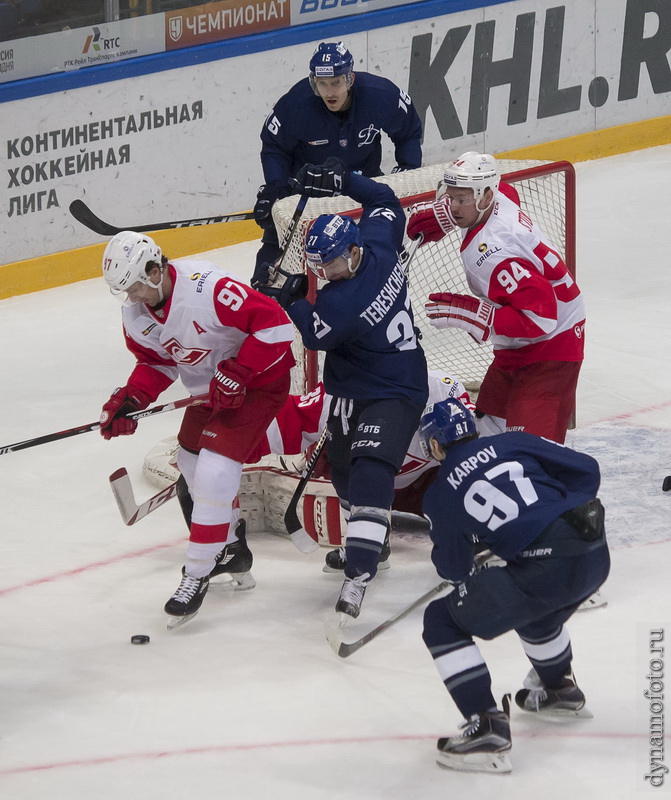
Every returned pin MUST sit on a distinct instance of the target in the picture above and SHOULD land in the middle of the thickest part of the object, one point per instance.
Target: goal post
(547, 195)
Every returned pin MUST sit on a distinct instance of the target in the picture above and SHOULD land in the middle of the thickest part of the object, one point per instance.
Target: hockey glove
(295, 287)
(448, 310)
(124, 400)
(262, 273)
(433, 219)
(326, 180)
(267, 195)
(228, 387)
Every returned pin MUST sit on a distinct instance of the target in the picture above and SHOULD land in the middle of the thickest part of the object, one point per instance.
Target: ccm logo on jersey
(365, 443)
(184, 355)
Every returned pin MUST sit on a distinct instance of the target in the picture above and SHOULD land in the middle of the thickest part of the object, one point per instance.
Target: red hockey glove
(448, 310)
(229, 384)
(124, 400)
(433, 219)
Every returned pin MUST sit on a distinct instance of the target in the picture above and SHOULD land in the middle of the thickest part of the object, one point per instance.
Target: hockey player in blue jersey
(534, 504)
(335, 112)
(374, 367)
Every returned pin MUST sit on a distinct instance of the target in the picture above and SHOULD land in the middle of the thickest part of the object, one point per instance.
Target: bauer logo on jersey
(368, 135)
(184, 355)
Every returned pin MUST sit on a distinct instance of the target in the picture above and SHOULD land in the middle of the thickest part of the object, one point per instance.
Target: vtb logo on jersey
(184, 355)
(368, 135)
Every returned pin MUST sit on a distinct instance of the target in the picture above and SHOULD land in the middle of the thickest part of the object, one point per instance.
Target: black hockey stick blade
(345, 649)
(299, 536)
(130, 511)
(82, 213)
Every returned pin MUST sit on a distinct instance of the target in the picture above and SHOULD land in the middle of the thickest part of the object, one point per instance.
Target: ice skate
(187, 600)
(335, 559)
(566, 701)
(485, 750)
(351, 597)
(482, 747)
(596, 600)
(235, 561)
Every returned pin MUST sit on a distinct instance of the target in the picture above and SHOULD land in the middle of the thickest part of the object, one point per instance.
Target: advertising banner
(186, 142)
(216, 21)
(81, 47)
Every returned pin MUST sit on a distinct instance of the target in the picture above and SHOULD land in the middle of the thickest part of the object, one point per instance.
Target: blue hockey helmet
(446, 422)
(330, 236)
(329, 60)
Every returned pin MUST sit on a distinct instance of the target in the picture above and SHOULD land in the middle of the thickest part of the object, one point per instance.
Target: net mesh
(545, 196)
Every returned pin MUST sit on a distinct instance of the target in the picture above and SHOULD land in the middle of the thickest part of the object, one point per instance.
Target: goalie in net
(268, 480)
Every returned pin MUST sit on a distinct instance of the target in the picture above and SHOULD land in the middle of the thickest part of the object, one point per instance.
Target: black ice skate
(335, 559)
(566, 701)
(186, 601)
(351, 596)
(483, 746)
(235, 560)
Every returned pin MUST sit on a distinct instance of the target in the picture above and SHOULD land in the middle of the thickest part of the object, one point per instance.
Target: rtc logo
(96, 42)
(184, 355)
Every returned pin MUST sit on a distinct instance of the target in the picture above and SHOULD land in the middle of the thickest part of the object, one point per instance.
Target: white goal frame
(547, 195)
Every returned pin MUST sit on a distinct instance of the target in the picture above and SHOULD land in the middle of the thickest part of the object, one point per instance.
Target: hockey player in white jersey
(524, 299)
(192, 320)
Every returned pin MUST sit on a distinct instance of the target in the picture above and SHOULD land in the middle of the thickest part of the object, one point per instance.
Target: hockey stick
(299, 536)
(297, 532)
(288, 237)
(82, 213)
(345, 649)
(130, 511)
(409, 253)
(94, 426)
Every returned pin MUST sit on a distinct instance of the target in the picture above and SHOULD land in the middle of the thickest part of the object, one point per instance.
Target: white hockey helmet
(125, 259)
(477, 171)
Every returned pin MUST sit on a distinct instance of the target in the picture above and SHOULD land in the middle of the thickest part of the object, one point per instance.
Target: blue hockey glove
(295, 287)
(268, 194)
(326, 180)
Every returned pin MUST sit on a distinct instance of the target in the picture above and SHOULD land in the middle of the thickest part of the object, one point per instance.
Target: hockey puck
(139, 638)
(666, 486)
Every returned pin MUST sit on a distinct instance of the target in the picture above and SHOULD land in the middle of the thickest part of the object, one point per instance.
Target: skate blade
(595, 600)
(238, 582)
(175, 622)
(331, 571)
(564, 713)
(476, 762)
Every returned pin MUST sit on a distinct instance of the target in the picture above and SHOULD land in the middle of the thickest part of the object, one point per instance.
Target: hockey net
(547, 195)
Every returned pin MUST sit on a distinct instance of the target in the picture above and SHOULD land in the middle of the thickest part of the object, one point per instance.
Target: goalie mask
(329, 60)
(447, 422)
(125, 260)
(331, 236)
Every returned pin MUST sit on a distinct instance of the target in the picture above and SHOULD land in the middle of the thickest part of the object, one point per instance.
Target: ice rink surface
(247, 700)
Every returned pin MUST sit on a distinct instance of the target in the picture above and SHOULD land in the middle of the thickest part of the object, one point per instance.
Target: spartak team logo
(185, 355)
